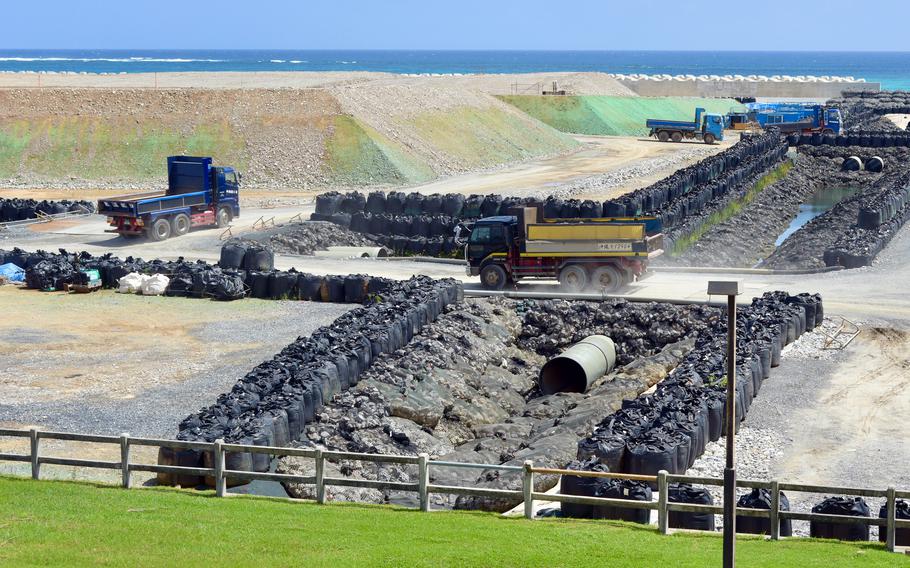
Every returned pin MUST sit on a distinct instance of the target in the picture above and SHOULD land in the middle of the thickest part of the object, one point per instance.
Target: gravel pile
(307, 237)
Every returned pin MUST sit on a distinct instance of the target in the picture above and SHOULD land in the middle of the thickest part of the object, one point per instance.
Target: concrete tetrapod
(576, 368)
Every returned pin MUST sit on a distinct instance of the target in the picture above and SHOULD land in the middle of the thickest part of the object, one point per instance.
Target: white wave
(276, 61)
(297, 61)
(112, 60)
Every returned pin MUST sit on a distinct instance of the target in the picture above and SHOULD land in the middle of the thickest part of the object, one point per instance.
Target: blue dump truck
(198, 195)
(790, 117)
(706, 127)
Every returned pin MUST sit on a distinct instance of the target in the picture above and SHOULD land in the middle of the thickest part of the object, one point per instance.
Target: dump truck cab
(490, 241)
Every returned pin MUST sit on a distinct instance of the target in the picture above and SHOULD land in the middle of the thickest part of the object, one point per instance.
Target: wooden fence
(424, 488)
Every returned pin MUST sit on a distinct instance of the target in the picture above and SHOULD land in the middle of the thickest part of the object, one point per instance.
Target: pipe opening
(562, 375)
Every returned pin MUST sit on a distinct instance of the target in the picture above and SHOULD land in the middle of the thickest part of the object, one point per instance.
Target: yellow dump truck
(604, 254)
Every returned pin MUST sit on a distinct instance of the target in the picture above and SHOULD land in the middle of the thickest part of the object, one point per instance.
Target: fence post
(891, 514)
(527, 489)
(219, 468)
(320, 475)
(423, 479)
(775, 511)
(663, 490)
(125, 460)
(33, 439)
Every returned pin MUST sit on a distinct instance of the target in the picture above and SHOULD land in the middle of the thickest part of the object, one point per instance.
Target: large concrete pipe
(576, 368)
(352, 252)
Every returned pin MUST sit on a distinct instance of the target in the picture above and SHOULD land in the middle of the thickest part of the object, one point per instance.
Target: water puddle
(819, 202)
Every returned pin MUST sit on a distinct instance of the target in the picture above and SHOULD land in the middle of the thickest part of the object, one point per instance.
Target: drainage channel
(817, 204)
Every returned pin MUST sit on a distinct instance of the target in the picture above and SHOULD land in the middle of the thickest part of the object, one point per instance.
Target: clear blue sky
(839, 25)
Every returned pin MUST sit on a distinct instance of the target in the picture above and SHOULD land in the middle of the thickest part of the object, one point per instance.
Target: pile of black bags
(23, 209)
(415, 223)
(852, 507)
(761, 499)
(879, 219)
(271, 405)
(669, 429)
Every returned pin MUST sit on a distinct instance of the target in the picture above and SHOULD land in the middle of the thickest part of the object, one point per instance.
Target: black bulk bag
(376, 202)
(355, 288)
(413, 205)
(623, 489)
(394, 203)
(232, 255)
(761, 499)
(259, 284)
(353, 202)
(333, 289)
(432, 204)
(685, 493)
(582, 486)
(902, 512)
(853, 507)
(490, 205)
(228, 287)
(282, 285)
(258, 257)
(604, 447)
(328, 203)
(452, 204)
(309, 287)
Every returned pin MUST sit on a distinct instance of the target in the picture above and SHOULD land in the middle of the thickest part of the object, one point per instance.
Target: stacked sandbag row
(864, 110)
(689, 190)
(878, 221)
(23, 209)
(669, 429)
(860, 138)
(244, 271)
(271, 405)
(857, 507)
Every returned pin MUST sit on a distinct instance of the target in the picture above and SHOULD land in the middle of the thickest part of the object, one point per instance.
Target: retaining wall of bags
(668, 430)
(861, 138)
(23, 209)
(414, 223)
(199, 279)
(271, 405)
(878, 220)
(863, 110)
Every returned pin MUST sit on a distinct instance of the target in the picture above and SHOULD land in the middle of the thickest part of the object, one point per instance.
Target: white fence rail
(220, 474)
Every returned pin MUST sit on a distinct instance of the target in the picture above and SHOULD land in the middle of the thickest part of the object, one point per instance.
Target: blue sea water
(892, 69)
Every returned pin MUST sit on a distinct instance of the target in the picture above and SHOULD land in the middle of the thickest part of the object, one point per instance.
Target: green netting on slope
(614, 116)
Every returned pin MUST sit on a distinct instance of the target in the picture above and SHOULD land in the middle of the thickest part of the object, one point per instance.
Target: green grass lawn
(66, 523)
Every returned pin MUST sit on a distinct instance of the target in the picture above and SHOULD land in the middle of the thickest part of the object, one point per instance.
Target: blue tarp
(12, 272)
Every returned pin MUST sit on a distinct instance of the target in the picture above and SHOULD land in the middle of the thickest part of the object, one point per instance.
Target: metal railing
(220, 476)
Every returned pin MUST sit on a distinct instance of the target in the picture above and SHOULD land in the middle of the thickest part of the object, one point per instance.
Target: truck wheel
(709, 139)
(224, 217)
(676, 137)
(160, 229)
(180, 225)
(607, 278)
(573, 278)
(663, 136)
(493, 277)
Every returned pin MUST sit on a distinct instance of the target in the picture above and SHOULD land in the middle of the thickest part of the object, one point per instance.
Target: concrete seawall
(745, 88)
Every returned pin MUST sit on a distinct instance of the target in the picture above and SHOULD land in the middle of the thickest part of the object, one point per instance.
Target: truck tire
(224, 217)
(607, 278)
(493, 277)
(709, 138)
(160, 229)
(573, 278)
(180, 225)
(676, 137)
(663, 136)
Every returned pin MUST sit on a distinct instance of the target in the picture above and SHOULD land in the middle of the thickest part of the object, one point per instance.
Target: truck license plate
(614, 247)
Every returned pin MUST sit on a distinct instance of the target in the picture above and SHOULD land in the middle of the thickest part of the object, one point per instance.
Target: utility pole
(730, 289)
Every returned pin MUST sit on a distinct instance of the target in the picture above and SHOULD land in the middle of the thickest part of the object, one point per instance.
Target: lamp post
(730, 289)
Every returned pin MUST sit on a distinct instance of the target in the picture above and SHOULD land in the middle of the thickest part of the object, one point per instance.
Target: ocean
(891, 69)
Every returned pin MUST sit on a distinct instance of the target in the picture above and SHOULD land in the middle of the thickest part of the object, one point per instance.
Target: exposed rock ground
(466, 391)
(307, 237)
